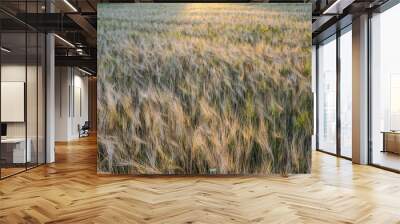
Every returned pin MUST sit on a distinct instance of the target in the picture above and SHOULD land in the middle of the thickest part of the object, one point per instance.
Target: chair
(84, 130)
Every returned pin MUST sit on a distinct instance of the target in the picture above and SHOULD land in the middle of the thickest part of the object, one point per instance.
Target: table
(391, 141)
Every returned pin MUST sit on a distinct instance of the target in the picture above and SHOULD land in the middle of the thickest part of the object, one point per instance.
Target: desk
(13, 150)
(391, 141)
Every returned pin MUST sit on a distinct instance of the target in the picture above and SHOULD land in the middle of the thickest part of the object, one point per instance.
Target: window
(385, 89)
(346, 92)
(327, 95)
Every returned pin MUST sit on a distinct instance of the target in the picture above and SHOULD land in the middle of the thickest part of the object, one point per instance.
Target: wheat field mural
(204, 88)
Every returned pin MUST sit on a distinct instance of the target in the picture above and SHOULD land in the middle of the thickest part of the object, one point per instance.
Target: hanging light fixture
(5, 50)
(64, 40)
(70, 5)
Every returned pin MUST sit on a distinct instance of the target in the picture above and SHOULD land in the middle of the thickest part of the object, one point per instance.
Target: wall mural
(204, 88)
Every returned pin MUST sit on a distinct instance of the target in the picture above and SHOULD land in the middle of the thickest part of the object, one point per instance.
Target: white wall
(70, 83)
(16, 73)
(33, 127)
(79, 117)
(62, 81)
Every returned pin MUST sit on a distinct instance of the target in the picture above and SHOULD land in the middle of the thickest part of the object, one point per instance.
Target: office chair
(84, 130)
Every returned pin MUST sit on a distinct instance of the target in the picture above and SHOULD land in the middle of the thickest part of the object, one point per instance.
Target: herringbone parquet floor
(69, 191)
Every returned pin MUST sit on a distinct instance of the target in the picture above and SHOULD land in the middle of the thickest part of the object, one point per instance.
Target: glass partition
(14, 153)
(22, 77)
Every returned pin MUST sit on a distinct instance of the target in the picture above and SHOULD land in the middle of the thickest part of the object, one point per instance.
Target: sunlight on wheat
(193, 88)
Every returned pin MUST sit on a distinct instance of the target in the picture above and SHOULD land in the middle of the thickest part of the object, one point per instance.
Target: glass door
(14, 153)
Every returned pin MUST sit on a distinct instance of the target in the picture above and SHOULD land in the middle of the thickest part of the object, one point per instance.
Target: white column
(360, 90)
(50, 93)
(50, 110)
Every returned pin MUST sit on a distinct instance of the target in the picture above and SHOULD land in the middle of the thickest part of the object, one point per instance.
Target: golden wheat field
(204, 88)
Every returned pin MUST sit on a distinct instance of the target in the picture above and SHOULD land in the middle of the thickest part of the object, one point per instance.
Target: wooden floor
(5, 172)
(386, 159)
(69, 191)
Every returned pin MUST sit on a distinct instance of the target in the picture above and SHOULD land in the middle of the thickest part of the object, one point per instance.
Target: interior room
(157, 111)
(22, 103)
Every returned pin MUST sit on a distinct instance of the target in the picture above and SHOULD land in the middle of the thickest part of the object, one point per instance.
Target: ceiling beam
(337, 7)
(77, 61)
(86, 26)
(49, 22)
